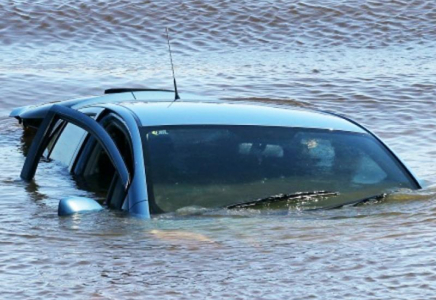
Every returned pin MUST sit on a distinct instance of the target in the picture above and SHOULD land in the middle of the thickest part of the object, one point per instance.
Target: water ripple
(371, 60)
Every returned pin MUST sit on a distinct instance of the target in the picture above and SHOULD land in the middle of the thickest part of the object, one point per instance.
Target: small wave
(204, 26)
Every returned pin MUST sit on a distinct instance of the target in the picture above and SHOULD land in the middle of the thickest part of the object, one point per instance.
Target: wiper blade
(356, 202)
(282, 197)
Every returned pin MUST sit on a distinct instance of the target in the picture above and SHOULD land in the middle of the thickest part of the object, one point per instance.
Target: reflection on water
(373, 61)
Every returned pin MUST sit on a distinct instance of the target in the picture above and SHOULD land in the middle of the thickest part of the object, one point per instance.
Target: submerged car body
(147, 153)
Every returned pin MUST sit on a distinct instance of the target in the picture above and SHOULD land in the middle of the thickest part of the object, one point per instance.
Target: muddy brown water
(371, 60)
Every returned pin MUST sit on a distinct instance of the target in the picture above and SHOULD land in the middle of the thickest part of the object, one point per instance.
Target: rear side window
(67, 144)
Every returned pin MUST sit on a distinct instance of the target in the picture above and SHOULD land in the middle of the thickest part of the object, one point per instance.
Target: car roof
(158, 108)
(220, 112)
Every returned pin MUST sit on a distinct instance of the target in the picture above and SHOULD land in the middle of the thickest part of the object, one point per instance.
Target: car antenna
(177, 97)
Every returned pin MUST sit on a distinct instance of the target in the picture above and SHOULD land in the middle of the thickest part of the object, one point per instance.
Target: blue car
(149, 154)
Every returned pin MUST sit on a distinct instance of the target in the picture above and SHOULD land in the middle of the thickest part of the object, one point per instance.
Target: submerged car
(149, 154)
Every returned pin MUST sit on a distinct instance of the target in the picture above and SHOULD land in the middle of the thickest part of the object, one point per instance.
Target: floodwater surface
(373, 61)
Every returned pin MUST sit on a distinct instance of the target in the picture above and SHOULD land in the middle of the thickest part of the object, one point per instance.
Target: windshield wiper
(282, 197)
(355, 202)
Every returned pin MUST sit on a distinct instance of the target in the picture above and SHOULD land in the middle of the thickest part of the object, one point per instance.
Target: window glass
(54, 137)
(216, 166)
(67, 144)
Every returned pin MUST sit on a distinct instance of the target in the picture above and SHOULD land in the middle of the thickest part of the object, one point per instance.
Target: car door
(93, 168)
(77, 126)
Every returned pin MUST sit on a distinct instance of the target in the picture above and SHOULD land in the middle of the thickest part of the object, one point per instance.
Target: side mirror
(73, 205)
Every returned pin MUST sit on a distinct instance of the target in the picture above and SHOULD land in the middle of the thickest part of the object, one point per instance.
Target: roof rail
(129, 90)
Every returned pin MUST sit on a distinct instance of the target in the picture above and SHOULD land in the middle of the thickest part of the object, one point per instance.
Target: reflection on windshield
(217, 166)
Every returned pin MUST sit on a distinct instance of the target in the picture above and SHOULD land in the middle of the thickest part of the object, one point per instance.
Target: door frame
(42, 138)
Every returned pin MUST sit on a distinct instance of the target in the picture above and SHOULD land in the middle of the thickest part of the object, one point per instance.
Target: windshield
(217, 166)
